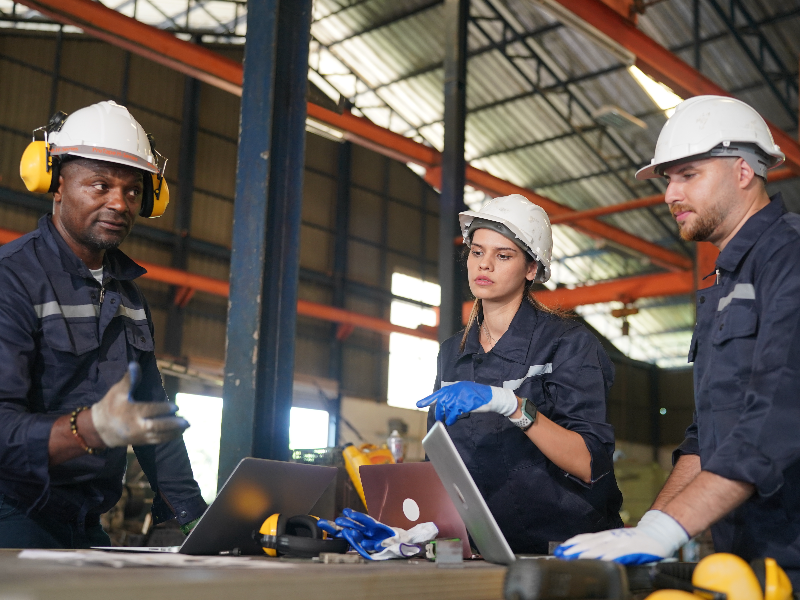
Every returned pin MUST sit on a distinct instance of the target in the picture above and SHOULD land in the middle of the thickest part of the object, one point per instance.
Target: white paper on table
(95, 558)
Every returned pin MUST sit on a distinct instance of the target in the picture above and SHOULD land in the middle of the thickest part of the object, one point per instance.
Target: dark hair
(527, 294)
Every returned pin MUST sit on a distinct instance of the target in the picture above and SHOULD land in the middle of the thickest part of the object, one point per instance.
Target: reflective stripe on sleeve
(515, 384)
(137, 314)
(70, 311)
(78, 311)
(742, 291)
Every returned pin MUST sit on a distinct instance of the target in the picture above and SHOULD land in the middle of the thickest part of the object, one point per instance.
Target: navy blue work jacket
(746, 354)
(61, 348)
(560, 366)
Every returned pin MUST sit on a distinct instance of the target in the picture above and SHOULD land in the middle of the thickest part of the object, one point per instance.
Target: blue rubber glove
(350, 530)
(462, 397)
(372, 530)
(656, 537)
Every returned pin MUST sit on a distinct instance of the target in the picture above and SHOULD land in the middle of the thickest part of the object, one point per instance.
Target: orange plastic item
(366, 454)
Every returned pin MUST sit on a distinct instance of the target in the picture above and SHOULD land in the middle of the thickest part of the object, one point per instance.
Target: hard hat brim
(106, 155)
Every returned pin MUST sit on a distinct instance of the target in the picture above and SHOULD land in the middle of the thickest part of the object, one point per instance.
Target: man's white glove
(120, 420)
(656, 537)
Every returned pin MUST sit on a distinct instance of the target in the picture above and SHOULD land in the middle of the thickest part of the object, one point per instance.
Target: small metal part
(332, 558)
(449, 553)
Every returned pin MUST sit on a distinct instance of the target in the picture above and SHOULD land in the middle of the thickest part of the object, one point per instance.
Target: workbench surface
(23, 579)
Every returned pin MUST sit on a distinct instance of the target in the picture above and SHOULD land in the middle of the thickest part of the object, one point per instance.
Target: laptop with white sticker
(408, 494)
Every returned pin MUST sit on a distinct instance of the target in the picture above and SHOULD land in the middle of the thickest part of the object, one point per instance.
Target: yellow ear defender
(36, 167)
(155, 196)
(296, 536)
(722, 576)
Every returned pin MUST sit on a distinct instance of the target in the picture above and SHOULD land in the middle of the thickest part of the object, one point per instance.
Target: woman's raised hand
(463, 397)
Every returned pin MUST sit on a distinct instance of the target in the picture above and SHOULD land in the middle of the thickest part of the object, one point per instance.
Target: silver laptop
(256, 489)
(469, 502)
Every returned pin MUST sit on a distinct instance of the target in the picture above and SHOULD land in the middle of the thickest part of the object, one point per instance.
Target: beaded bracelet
(73, 425)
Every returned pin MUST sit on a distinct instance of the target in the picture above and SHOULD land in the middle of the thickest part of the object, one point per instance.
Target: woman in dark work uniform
(523, 390)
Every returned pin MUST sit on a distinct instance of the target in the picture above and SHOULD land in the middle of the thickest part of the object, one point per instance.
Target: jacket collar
(515, 343)
(115, 263)
(750, 232)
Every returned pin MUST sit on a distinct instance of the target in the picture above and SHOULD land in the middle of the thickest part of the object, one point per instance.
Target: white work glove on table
(656, 537)
(120, 420)
(406, 543)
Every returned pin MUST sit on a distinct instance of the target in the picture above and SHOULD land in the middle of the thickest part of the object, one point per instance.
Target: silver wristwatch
(528, 417)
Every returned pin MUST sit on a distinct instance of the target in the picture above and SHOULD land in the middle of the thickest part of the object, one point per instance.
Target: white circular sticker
(410, 509)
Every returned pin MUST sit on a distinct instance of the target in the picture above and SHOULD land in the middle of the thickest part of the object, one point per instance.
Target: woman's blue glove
(372, 530)
(462, 397)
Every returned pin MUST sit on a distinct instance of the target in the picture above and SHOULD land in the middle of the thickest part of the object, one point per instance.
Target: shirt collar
(748, 235)
(115, 263)
(514, 343)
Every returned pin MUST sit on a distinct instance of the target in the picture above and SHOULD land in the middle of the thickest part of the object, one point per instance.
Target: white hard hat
(706, 126)
(104, 131)
(525, 220)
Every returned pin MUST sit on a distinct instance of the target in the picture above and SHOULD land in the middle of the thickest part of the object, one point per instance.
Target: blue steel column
(187, 163)
(456, 15)
(266, 238)
(345, 153)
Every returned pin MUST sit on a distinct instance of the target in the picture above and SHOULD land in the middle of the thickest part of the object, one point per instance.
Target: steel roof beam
(765, 47)
(663, 65)
(224, 73)
(574, 100)
(627, 289)
(471, 54)
(388, 22)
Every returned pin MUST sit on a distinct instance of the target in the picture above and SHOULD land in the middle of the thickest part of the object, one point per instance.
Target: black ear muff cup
(759, 567)
(301, 526)
(147, 196)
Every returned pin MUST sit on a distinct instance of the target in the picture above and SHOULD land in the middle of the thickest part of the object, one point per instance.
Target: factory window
(204, 413)
(308, 428)
(412, 360)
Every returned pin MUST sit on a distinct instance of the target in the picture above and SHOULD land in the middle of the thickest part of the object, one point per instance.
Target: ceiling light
(664, 97)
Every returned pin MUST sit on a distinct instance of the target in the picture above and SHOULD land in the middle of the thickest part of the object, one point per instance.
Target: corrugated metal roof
(385, 56)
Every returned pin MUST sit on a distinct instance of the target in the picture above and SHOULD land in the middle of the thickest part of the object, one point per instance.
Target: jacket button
(702, 299)
(721, 326)
(183, 514)
(113, 301)
(94, 296)
(478, 359)
(141, 338)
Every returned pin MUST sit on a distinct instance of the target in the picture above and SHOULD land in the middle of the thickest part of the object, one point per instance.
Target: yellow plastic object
(671, 595)
(160, 196)
(366, 454)
(727, 573)
(270, 527)
(777, 585)
(34, 168)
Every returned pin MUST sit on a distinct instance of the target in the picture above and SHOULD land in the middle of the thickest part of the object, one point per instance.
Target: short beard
(96, 243)
(703, 227)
